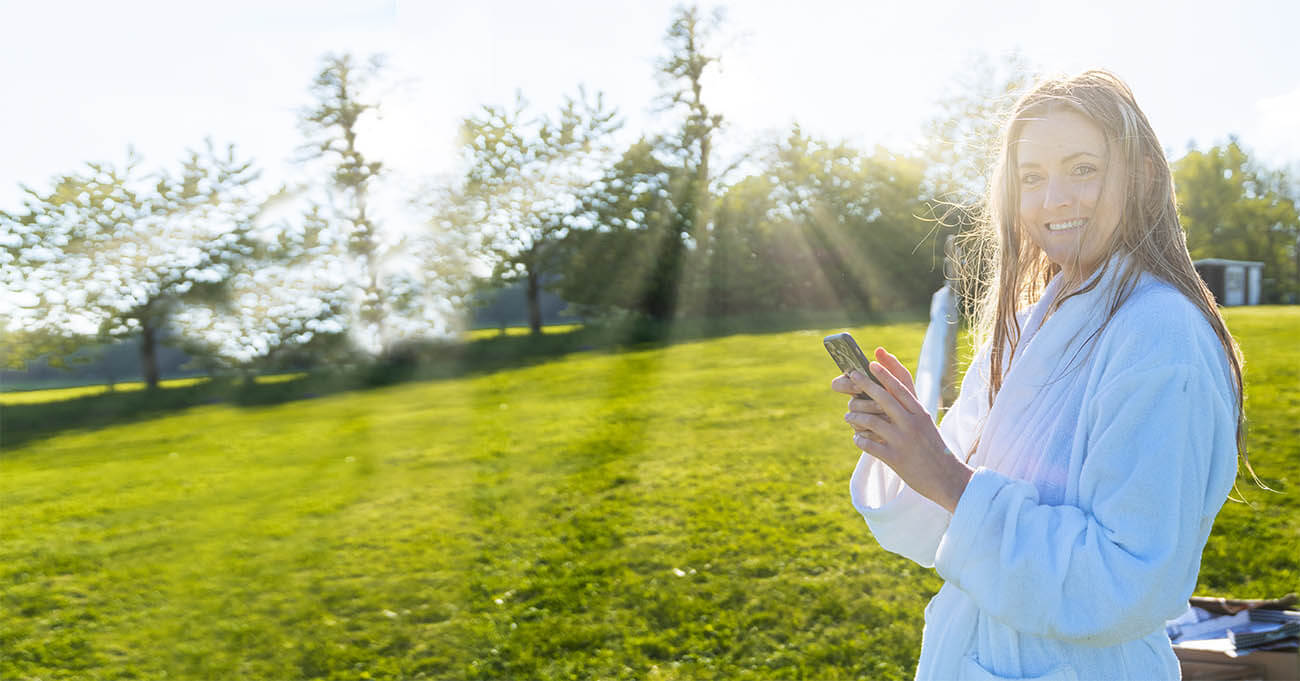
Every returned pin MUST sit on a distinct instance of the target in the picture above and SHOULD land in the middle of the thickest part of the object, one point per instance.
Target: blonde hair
(1013, 272)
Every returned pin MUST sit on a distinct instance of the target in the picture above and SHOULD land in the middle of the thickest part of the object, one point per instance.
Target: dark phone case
(848, 356)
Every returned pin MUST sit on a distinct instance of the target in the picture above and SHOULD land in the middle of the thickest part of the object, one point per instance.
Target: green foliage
(653, 207)
(691, 51)
(18, 347)
(847, 227)
(529, 184)
(111, 249)
(1232, 207)
(633, 259)
(367, 289)
(963, 137)
(659, 513)
(331, 127)
(341, 92)
(816, 226)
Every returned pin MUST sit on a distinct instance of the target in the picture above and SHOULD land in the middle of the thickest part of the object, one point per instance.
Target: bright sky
(85, 79)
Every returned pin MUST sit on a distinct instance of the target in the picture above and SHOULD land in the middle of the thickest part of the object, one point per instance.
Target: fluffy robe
(1099, 471)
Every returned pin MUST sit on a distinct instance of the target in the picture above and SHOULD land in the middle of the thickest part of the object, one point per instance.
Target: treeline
(663, 228)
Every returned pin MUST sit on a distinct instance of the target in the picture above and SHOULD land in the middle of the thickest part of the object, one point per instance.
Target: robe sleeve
(903, 521)
(1161, 458)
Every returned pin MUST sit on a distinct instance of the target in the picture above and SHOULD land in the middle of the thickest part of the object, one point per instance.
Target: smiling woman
(1067, 496)
(1070, 200)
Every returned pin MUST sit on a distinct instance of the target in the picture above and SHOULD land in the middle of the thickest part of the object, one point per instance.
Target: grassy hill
(670, 512)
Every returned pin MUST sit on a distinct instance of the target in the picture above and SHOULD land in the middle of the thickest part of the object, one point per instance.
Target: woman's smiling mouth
(1068, 224)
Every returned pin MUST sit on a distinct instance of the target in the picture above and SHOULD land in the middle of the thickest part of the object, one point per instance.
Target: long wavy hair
(1010, 271)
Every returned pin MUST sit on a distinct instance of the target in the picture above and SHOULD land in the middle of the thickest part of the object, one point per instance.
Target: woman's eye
(1084, 170)
(1030, 178)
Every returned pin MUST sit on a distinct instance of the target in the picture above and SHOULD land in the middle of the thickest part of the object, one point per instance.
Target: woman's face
(1070, 189)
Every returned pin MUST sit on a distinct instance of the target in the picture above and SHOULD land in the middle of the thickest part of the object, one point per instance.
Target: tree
(651, 209)
(18, 346)
(817, 226)
(681, 75)
(331, 126)
(632, 257)
(1232, 207)
(284, 304)
(962, 140)
(108, 254)
(671, 173)
(824, 226)
(527, 183)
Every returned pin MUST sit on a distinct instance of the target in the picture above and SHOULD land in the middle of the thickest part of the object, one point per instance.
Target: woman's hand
(893, 427)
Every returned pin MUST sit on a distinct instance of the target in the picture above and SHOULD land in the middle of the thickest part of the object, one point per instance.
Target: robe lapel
(1036, 390)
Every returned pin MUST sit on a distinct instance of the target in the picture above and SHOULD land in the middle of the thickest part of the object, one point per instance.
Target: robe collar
(1080, 313)
(1050, 353)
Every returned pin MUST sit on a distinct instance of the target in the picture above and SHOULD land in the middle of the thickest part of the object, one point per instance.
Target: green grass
(1253, 551)
(70, 393)
(674, 512)
(476, 334)
(62, 394)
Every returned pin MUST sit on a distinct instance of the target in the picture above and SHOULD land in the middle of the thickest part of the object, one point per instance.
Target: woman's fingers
(872, 422)
(881, 394)
(905, 399)
(844, 384)
(865, 406)
(872, 444)
(896, 368)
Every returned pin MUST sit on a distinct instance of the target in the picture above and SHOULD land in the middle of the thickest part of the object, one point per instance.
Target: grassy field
(670, 512)
(476, 334)
(75, 392)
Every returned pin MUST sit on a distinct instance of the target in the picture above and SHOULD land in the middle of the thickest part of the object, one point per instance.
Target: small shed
(1233, 282)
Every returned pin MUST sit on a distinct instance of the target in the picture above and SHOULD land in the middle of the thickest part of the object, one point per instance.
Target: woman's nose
(1057, 194)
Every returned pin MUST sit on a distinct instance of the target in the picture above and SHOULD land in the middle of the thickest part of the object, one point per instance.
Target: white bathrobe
(1100, 468)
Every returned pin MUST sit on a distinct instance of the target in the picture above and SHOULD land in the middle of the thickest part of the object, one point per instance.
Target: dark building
(1233, 282)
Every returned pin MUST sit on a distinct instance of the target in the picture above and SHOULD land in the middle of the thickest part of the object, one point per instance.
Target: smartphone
(848, 356)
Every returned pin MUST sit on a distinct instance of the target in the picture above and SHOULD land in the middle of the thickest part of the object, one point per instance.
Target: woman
(1067, 496)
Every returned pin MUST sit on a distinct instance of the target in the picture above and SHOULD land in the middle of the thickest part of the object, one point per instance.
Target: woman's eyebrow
(1067, 159)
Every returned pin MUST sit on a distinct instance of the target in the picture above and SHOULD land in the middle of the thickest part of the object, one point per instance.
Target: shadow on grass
(23, 423)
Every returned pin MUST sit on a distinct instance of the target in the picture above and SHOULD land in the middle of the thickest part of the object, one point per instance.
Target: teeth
(1062, 226)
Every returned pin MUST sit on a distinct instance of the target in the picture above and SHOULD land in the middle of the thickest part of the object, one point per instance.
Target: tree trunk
(702, 182)
(534, 303)
(149, 357)
(659, 299)
(700, 227)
